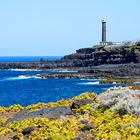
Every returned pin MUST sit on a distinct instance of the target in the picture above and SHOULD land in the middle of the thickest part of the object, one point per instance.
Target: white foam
(136, 82)
(71, 71)
(66, 71)
(18, 69)
(36, 77)
(24, 77)
(24, 70)
(91, 83)
(21, 77)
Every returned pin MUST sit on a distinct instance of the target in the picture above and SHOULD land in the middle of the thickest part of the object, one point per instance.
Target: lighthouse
(103, 31)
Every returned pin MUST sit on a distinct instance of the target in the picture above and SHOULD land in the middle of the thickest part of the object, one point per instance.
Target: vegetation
(113, 115)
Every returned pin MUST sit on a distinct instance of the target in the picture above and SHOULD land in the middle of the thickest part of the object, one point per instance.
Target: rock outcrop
(88, 57)
(101, 61)
(85, 57)
(50, 113)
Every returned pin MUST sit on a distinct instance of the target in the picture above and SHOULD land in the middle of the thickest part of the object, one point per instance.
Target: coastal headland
(97, 61)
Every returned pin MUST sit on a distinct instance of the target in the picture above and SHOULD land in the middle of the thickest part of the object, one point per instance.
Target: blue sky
(59, 27)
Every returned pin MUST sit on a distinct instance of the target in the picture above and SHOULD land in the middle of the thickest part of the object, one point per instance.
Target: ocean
(27, 58)
(18, 86)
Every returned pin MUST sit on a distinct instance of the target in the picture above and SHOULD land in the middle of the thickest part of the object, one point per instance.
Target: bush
(121, 101)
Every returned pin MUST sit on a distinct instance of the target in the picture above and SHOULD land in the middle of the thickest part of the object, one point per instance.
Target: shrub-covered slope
(113, 115)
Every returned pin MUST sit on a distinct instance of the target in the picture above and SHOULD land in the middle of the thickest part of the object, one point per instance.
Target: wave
(21, 77)
(91, 83)
(70, 71)
(24, 70)
(136, 83)
(66, 71)
(36, 77)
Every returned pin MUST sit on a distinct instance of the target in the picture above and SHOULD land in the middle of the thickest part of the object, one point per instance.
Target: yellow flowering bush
(4, 131)
(13, 108)
(108, 124)
(87, 95)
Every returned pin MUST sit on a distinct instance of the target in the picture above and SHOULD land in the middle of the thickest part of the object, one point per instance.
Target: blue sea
(23, 87)
(27, 58)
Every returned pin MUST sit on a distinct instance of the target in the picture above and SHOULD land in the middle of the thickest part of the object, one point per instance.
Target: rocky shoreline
(102, 80)
(131, 70)
(66, 76)
(119, 62)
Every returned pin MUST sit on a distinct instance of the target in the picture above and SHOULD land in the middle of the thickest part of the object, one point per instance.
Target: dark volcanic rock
(86, 57)
(101, 61)
(85, 50)
(105, 55)
(130, 70)
(79, 103)
(28, 130)
(49, 112)
(66, 76)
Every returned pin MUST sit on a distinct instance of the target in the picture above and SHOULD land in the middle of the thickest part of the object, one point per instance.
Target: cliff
(87, 57)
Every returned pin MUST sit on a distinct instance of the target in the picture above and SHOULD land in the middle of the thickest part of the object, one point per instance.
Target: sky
(59, 27)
